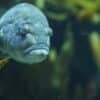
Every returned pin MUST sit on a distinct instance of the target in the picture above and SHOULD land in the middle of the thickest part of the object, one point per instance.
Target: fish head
(26, 39)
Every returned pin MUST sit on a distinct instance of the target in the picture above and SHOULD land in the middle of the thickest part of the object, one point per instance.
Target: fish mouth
(41, 50)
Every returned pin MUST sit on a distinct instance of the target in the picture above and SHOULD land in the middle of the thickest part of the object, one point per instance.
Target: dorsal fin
(3, 62)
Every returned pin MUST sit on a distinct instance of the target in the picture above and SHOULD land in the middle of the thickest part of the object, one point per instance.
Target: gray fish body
(25, 34)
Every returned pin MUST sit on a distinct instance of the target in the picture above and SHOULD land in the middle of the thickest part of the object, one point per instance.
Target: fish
(25, 34)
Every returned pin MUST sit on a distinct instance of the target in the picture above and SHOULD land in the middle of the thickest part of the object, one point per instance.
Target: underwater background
(72, 69)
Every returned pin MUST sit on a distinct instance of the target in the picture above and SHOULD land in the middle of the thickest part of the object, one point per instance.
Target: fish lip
(32, 48)
(39, 52)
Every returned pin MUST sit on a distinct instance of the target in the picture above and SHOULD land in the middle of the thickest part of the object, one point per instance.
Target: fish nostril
(31, 39)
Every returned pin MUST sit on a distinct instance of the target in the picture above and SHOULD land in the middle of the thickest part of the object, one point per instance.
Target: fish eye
(23, 34)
